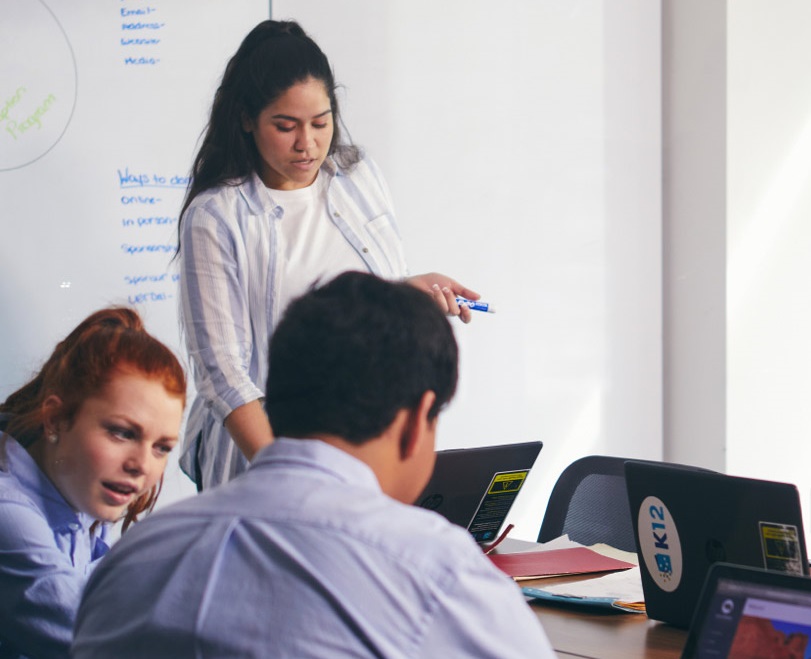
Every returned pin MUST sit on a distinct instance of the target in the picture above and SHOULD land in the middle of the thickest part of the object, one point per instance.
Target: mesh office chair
(590, 503)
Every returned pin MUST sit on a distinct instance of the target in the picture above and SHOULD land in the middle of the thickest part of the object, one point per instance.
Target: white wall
(737, 166)
(522, 145)
(694, 230)
(769, 242)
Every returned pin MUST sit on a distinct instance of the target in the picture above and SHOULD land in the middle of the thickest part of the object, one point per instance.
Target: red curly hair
(108, 342)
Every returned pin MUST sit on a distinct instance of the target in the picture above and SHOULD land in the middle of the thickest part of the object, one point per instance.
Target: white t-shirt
(311, 248)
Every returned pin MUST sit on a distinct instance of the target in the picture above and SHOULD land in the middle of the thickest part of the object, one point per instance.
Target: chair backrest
(590, 503)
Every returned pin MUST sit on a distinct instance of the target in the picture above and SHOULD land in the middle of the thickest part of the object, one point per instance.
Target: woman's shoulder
(20, 513)
(228, 202)
(364, 169)
(11, 492)
(18, 475)
(27, 497)
(12, 460)
(223, 195)
(365, 180)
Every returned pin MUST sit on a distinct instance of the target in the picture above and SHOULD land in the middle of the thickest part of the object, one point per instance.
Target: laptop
(476, 487)
(750, 612)
(686, 519)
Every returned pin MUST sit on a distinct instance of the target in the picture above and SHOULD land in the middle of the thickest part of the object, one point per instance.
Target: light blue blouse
(46, 554)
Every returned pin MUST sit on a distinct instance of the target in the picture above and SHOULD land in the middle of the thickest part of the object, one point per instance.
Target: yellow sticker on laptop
(781, 547)
(496, 503)
(507, 482)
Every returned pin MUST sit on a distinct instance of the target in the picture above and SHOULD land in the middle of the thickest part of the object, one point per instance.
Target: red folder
(556, 562)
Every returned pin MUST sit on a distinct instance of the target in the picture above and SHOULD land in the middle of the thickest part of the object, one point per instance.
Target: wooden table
(606, 635)
(593, 633)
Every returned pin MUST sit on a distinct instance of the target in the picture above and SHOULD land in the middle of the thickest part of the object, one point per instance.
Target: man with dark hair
(314, 551)
(352, 354)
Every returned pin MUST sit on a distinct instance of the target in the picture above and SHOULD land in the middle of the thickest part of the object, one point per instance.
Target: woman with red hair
(83, 444)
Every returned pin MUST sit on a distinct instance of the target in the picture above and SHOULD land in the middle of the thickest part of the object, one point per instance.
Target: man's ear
(418, 426)
(51, 413)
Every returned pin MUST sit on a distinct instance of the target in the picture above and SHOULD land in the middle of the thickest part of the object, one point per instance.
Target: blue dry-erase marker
(476, 305)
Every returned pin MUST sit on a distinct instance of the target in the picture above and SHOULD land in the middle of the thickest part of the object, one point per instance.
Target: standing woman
(277, 203)
(83, 444)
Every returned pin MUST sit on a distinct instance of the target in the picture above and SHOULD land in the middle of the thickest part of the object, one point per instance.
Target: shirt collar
(330, 167)
(319, 456)
(255, 192)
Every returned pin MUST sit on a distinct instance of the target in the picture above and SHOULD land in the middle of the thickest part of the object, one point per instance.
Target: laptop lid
(750, 612)
(686, 519)
(476, 487)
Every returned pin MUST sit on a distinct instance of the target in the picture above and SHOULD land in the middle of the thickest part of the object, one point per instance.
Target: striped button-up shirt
(230, 294)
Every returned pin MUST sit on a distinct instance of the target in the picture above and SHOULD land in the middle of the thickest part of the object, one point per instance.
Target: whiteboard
(101, 107)
(521, 141)
(522, 145)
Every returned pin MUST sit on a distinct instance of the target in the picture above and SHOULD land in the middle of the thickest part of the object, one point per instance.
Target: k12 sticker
(659, 544)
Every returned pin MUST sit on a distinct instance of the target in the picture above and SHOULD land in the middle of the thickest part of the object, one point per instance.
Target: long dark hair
(273, 57)
(105, 343)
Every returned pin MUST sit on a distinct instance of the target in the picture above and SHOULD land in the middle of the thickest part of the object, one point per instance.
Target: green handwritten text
(11, 102)
(17, 128)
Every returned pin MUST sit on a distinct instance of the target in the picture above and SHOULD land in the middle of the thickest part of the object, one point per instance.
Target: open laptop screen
(476, 487)
(749, 612)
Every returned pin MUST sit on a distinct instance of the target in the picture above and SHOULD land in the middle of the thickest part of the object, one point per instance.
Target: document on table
(618, 590)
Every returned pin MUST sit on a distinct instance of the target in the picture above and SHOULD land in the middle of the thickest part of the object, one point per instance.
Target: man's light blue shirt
(302, 556)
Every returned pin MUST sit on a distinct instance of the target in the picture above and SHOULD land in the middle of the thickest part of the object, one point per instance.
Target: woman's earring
(53, 437)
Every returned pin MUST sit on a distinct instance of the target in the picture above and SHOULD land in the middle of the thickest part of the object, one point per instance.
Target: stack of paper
(621, 590)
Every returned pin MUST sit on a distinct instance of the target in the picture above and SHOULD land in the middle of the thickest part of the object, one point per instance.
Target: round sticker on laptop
(659, 544)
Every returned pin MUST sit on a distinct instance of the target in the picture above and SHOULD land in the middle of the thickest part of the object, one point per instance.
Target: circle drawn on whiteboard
(38, 81)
